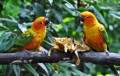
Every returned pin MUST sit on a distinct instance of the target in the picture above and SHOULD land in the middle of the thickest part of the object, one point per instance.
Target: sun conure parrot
(95, 34)
(32, 38)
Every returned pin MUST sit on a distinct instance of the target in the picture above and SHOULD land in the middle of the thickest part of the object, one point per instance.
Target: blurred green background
(17, 15)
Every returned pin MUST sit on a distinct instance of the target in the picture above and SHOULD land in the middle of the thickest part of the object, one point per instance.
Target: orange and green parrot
(95, 34)
(32, 38)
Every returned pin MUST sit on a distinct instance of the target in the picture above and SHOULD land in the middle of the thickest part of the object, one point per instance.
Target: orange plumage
(95, 34)
(92, 32)
(38, 31)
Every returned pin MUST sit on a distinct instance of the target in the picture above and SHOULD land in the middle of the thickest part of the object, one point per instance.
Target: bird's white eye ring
(41, 22)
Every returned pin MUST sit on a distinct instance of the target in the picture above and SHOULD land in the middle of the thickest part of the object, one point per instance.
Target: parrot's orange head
(88, 18)
(40, 24)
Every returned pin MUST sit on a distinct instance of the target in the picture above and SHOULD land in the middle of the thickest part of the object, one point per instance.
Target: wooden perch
(42, 57)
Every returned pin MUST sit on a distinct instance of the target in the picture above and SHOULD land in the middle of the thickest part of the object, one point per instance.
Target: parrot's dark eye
(41, 22)
(87, 17)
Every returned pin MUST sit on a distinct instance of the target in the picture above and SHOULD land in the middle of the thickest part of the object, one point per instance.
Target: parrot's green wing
(104, 33)
(25, 38)
(22, 41)
(105, 36)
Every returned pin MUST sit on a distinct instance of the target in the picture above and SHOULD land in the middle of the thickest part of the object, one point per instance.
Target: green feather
(25, 38)
(104, 33)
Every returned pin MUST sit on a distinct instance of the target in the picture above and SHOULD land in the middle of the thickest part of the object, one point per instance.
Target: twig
(42, 57)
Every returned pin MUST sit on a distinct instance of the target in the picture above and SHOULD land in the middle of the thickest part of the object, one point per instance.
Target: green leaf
(2, 26)
(56, 74)
(2, 36)
(13, 19)
(1, 68)
(23, 28)
(105, 8)
(66, 64)
(3, 46)
(77, 72)
(38, 10)
(58, 16)
(71, 11)
(115, 14)
(69, 5)
(79, 29)
(50, 67)
(8, 20)
(67, 73)
(5, 41)
(43, 67)
(30, 69)
(10, 43)
(91, 67)
(68, 9)
(16, 69)
(50, 1)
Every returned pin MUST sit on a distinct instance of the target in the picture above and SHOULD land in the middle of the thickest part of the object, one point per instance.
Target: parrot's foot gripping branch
(107, 52)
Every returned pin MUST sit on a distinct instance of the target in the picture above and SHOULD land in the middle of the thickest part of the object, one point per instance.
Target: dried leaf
(80, 47)
(78, 61)
(66, 44)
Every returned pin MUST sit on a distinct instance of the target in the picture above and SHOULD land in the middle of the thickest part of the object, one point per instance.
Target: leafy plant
(17, 16)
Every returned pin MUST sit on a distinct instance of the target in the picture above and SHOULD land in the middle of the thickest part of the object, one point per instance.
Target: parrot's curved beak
(47, 21)
(81, 19)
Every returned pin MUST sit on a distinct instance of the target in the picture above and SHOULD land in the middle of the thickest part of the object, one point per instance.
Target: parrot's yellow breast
(94, 38)
(92, 32)
(37, 40)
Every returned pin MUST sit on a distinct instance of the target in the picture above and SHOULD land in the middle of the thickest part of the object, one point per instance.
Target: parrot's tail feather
(113, 69)
(16, 48)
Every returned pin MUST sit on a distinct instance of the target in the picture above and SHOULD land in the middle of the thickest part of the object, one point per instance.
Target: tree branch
(42, 57)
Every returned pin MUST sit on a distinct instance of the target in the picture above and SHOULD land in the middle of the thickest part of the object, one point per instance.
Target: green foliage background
(17, 16)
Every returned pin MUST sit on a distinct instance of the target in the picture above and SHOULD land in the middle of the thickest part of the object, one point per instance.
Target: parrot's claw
(44, 52)
(28, 52)
(107, 52)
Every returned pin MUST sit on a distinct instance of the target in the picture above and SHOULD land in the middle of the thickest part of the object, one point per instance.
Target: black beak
(47, 21)
(81, 19)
